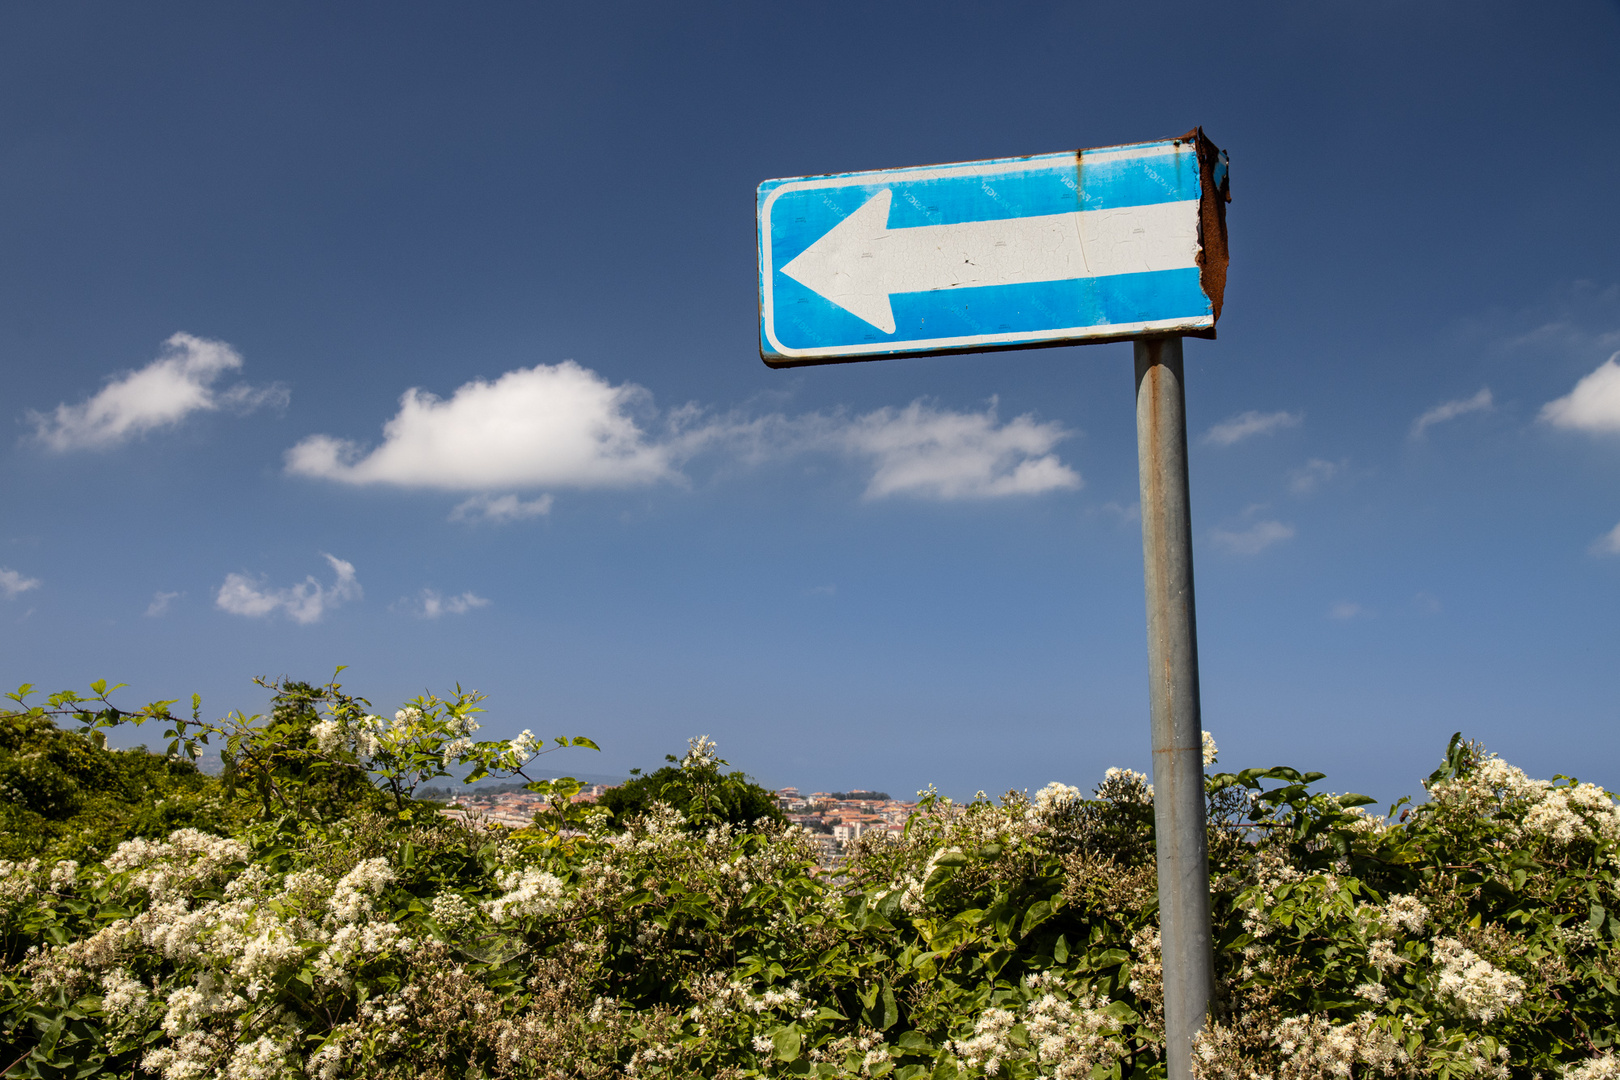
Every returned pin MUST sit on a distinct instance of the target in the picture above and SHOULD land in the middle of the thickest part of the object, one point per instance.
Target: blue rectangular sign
(1083, 246)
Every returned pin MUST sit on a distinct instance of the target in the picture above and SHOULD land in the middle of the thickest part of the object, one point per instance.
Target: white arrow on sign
(861, 262)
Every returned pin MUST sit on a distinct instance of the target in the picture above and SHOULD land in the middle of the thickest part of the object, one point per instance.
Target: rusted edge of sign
(1214, 192)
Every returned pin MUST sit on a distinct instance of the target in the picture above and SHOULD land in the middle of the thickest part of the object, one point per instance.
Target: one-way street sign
(1084, 246)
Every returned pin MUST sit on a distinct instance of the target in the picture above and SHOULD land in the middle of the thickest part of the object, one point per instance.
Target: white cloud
(566, 426)
(931, 453)
(305, 602)
(164, 392)
(1312, 475)
(1251, 423)
(550, 425)
(430, 604)
(1426, 603)
(1254, 539)
(1594, 404)
(1346, 609)
(1450, 410)
(1608, 543)
(499, 509)
(1124, 515)
(160, 603)
(14, 584)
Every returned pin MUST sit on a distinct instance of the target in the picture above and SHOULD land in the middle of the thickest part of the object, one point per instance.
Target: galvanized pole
(1178, 759)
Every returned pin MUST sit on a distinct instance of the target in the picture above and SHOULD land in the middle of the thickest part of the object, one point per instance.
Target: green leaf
(891, 1011)
(914, 1042)
(786, 1041)
(1038, 913)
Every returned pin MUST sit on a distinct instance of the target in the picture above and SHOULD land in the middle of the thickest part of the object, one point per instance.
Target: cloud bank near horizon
(565, 426)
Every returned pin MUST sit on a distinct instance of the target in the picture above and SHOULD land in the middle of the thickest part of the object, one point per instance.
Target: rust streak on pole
(1178, 757)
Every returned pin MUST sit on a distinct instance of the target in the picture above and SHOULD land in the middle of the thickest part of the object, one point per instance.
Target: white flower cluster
(237, 948)
(1476, 986)
(1066, 1037)
(1407, 913)
(1147, 975)
(351, 945)
(363, 735)
(328, 735)
(1211, 751)
(528, 893)
(410, 725)
(866, 1042)
(1373, 992)
(1605, 1066)
(1125, 785)
(1363, 822)
(1383, 924)
(523, 747)
(913, 898)
(1381, 955)
(352, 896)
(1051, 802)
(453, 912)
(262, 1059)
(649, 1055)
(717, 996)
(1577, 812)
(193, 1056)
(786, 998)
(991, 1039)
(121, 996)
(168, 869)
(18, 881)
(327, 1062)
(700, 753)
(1484, 1058)
(64, 875)
(1528, 808)
(1268, 872)
(1314, 1047)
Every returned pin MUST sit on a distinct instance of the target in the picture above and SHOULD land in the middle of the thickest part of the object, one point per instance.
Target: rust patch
(1215, 191)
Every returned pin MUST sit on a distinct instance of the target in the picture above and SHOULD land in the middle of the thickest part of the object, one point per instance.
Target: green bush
(695, 786)
(64, 795)
(305, 932)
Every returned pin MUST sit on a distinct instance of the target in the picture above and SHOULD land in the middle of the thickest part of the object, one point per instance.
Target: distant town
(832, 818)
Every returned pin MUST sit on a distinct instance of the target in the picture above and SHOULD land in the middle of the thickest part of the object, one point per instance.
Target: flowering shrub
(696, 787)
(325, 924)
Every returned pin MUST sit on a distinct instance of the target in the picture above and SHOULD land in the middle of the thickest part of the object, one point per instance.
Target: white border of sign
(938, 172)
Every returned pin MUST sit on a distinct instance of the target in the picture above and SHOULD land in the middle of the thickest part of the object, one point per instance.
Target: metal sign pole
(1178, 757)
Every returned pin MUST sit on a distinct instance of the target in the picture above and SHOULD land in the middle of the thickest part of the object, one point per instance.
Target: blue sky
(423, 339)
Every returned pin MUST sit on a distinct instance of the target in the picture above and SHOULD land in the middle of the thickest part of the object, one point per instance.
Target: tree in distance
(696, 787)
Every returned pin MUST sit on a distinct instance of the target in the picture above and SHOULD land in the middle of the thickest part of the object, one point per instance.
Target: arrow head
(845, 266)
